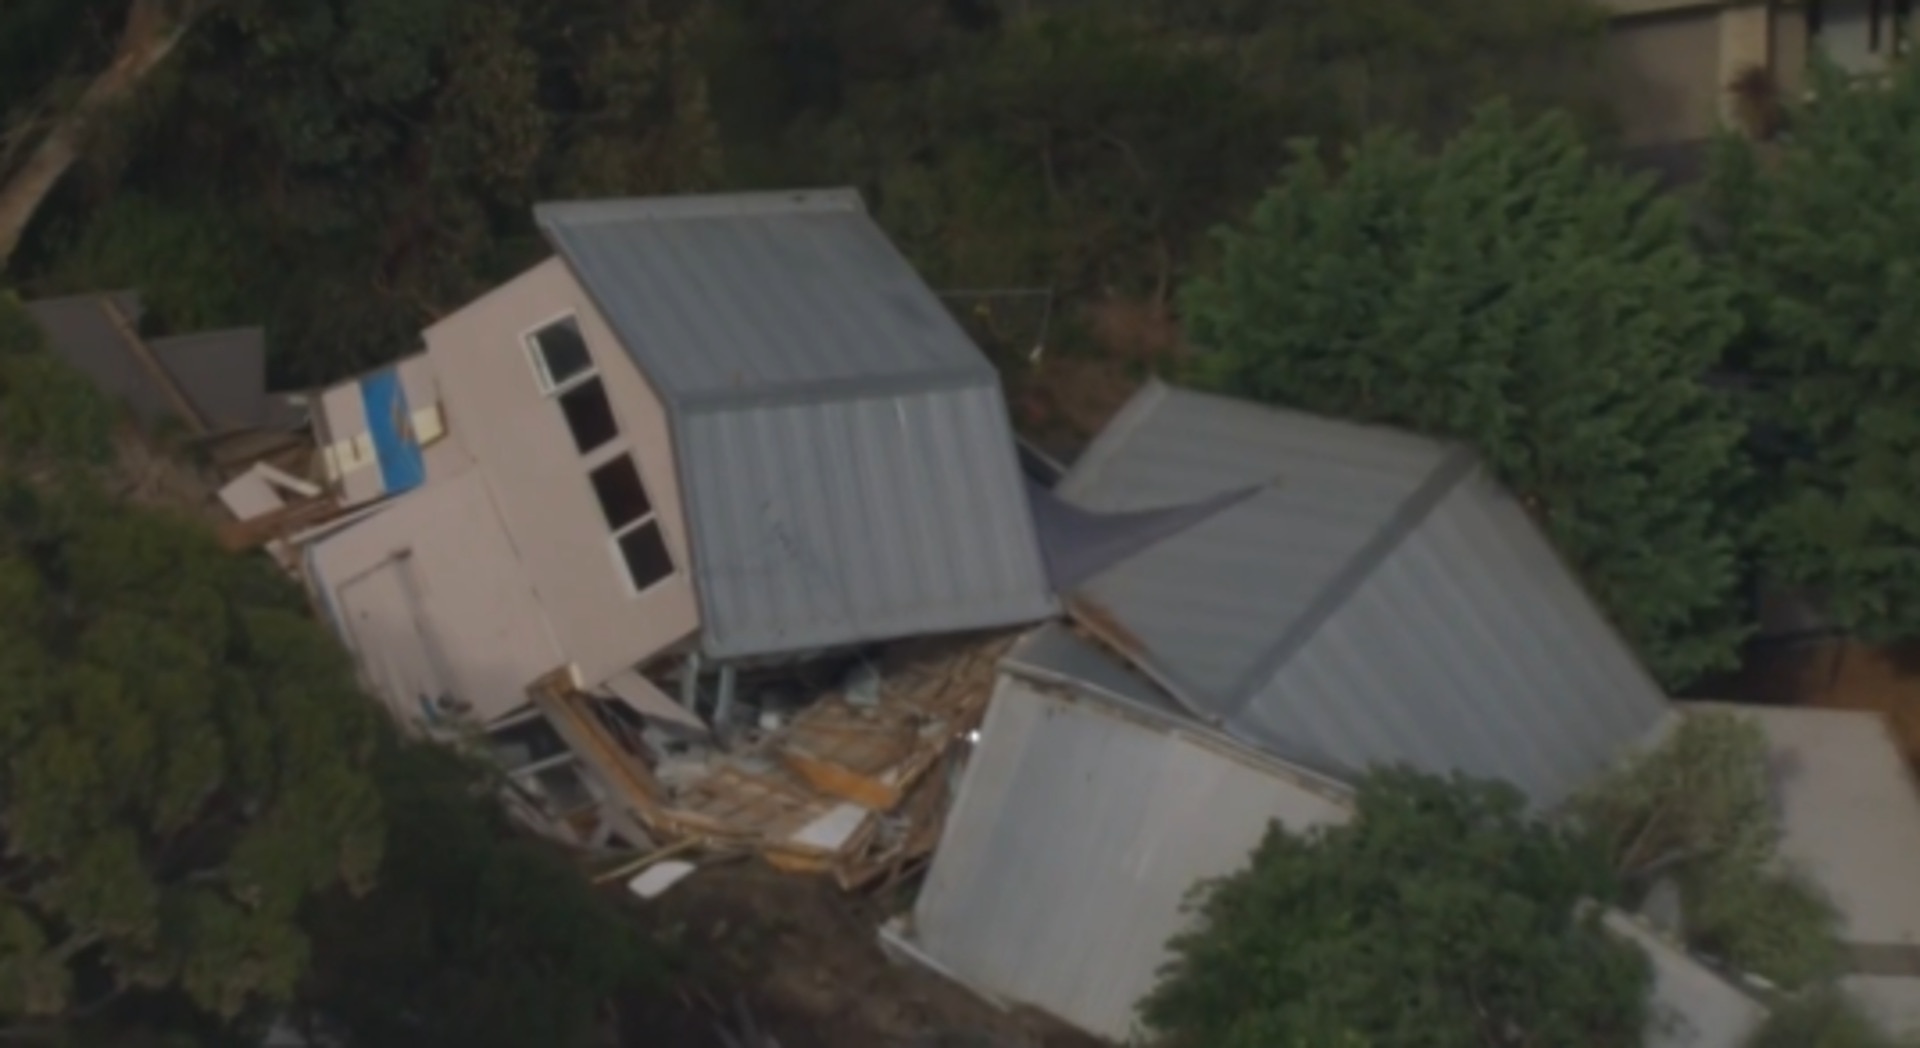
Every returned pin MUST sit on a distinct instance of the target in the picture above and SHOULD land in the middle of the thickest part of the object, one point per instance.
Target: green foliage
(185, 762)
(1699, 808)
(353, 169)
(1511, 293)
(1420, 65)
(1824, 248)
(1441, 916)
(49, 414)
(476, 936)
(1824, 1019)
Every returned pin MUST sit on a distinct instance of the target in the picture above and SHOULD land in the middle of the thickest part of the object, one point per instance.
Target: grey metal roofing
(223, 374)
(845, 457)
(1073, 840)
(1380, 601)
(1052, 654)
(1079, 544)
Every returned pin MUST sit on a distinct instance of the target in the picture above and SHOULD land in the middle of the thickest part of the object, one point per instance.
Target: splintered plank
(872, 755)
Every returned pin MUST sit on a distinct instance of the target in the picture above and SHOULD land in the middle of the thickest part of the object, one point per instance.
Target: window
(560, 354)
(589, 415)
(526, 744)
(636, 532)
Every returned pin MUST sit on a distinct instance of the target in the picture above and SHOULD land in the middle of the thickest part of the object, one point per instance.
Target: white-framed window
(637, 541)
(560, 356)
(565, 371)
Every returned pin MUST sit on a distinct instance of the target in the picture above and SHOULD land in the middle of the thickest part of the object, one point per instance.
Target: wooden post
(151, 363)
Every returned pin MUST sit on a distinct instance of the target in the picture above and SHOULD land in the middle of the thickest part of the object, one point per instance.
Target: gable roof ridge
(704, 205)
(1458, 463)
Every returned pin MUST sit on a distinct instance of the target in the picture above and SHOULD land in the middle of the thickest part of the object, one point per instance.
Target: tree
(151, 31)
(185, 763)
(476, 936)
(183, 752)
(1423, 66)
(1510, 293)
(1699, 809)
(351, 170)
(51, 417)
(1820, 239)
(1440, 916)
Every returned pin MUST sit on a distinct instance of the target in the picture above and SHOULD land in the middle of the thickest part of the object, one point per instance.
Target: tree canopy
(205, 820)
(1699, 809)
(1440, 916)
(1822, 244)
(476, 936)
(1510, 292)
(186, 751)
(351, 169)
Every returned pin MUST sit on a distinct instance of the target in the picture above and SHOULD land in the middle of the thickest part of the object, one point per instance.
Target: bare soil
(805, 960)
(1062, 400)
(1840, 675)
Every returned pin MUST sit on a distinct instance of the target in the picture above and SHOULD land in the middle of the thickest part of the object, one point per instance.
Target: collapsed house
(711, 530)
(710, 527)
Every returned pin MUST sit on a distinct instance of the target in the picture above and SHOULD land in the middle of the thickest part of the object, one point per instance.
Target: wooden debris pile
(856, 785)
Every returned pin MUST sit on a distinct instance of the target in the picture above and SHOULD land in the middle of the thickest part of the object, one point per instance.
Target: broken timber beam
(239, 535)
(150, 362)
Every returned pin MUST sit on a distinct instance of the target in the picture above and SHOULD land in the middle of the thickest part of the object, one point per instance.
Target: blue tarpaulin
(390, 426)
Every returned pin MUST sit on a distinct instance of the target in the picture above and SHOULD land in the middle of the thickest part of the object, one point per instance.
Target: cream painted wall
(517, 435)
(1663, 76)
(432, 600)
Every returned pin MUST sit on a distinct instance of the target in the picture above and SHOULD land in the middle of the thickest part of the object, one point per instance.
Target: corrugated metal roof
(819, 524)
(1382, 602)
(845, 456)
(743, 296)
(1207, 604)
(1075, 838)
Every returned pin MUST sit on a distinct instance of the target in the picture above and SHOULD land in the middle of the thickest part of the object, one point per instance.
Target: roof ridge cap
(1456, 464)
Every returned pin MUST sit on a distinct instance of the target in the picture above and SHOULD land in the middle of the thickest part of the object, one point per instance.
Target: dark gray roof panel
(790, 295)
(79, 333)
(1079, 544)
(1206, 605)
(222, 373)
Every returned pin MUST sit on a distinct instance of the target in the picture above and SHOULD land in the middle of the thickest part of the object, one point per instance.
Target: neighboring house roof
(1379, 600)
(222, 374)
(1692, 1005)
(1080, 544)
(1850, 821)
(845, 457)
(1092, 805)
(1089, 811)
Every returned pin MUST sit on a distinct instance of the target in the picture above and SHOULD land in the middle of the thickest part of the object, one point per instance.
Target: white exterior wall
(1073, 843)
